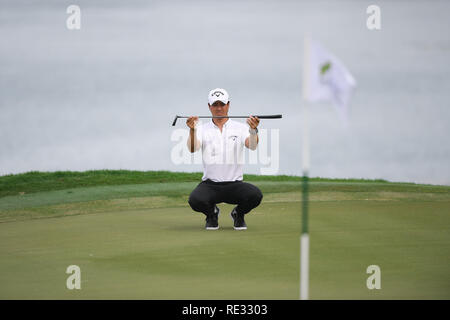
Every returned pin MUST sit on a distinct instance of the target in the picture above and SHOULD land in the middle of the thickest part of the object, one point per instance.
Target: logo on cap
(217, 93)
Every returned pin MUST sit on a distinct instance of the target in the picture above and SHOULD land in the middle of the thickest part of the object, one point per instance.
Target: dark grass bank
(35, 181)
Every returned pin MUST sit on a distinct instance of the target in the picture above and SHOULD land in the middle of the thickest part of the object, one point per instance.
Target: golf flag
(328, 79)
(325, 78)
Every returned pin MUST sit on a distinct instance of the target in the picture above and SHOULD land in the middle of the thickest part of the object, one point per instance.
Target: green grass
(134, 237)
(36, 181)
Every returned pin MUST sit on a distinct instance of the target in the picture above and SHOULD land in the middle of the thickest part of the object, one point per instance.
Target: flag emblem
(328, 79)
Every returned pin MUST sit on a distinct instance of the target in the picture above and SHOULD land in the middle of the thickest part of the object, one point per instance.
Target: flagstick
(304, 239)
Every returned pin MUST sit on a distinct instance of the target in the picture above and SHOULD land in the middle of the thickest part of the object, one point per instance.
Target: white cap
(218, 94)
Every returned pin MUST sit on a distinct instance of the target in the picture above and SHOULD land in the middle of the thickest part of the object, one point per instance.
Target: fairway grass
(142, 241)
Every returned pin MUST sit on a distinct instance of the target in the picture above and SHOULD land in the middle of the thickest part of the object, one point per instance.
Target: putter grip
(273, 116)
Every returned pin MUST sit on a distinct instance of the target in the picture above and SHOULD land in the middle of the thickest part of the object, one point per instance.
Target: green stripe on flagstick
(305, 203)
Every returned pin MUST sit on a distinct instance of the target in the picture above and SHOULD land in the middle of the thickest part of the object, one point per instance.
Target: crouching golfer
(222, 142)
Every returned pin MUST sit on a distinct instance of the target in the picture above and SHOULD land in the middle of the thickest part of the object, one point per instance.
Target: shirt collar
(225, 124)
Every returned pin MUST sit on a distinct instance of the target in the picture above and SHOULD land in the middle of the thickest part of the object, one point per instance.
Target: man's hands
(253, 122)
(192, 122)
(193, 144)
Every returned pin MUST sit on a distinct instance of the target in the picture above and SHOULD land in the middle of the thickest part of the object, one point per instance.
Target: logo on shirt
(233, 137)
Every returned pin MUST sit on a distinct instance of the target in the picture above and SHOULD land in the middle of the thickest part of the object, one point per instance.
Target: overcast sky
(104, 96)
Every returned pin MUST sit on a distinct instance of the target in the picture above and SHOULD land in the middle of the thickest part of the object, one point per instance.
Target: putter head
(175, 121)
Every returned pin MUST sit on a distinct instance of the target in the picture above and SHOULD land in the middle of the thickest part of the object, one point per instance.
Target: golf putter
(270, 116)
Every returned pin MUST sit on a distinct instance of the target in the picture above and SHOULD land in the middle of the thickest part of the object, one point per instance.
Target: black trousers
(208, 193)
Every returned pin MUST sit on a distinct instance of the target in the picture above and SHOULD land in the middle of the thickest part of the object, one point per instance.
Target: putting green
(144, 242)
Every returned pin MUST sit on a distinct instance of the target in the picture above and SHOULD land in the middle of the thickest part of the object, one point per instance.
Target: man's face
(218, 108)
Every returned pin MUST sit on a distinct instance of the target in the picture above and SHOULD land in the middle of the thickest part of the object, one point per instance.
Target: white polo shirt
(222, 152)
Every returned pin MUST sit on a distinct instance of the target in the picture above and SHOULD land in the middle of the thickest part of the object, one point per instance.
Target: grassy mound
(36, 181)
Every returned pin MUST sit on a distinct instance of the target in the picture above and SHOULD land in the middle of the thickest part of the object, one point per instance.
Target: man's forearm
(192, 142)
(253, 141)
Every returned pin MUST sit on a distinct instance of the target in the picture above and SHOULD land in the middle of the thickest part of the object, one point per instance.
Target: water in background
(105, 96)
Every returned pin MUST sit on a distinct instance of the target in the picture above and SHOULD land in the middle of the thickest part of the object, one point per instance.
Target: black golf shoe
(238, 219)
(212, 221)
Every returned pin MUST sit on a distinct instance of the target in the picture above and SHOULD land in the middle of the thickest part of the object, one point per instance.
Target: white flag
(327, 79)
